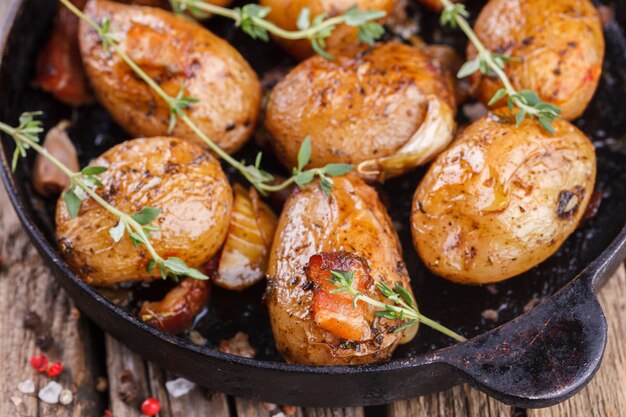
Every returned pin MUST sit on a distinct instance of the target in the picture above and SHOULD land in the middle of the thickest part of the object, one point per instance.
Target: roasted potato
(174, 51)
(178, 177)
(502, 199)
(559, 44)
(386, 109)
(285, 15)
(245, 253)
(350, 230)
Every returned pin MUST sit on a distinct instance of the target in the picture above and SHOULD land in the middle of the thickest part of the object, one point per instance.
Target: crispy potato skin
(502, 199)
(285, 15)
(176, 176)
(560, 43)
(365, 104)
(352, 220)
(172, 50)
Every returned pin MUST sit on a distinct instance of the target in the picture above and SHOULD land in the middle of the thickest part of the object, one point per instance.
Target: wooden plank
(459, 401)
(150, 382)
(26, 284)
(606, 394)
(334, 412)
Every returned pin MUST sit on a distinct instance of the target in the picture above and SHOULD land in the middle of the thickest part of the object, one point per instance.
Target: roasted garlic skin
(367, 105)
(502, 199)
(559, 43)
(350, 230)
(180, 178)
(173, 50)
(245, 254)
(285, 15)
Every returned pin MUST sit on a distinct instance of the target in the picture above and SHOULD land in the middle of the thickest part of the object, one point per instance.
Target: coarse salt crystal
(179, 387)
(26, 387)
(50, 393)
(281, 414)
(16, 401)
(66, 397)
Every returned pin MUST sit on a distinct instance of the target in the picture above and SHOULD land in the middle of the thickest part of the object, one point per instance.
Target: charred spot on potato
(569, 202)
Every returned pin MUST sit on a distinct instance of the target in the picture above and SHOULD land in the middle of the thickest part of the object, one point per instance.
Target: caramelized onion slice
(432, 137)
(49, 180)
(250, 235)
(175, 313)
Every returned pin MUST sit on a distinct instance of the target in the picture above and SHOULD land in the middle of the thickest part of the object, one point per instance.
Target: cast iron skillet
(532, 359)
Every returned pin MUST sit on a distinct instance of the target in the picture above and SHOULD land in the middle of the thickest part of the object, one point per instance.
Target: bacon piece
(335, 312)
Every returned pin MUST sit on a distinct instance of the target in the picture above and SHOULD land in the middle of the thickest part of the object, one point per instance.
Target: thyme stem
(253, 174)
(527, 102)
(308, 33)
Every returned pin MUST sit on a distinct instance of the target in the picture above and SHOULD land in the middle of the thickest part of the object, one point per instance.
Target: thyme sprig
(251, 19)
(402, 307)
(527, 102)
(262, 180)
(84, 184)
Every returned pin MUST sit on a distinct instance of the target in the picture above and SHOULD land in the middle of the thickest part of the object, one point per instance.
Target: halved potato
(245, 254)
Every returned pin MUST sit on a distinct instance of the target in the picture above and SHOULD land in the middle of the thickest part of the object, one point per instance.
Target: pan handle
(542, 357)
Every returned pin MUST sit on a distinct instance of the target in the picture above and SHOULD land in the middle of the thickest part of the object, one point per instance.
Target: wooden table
(87, 353)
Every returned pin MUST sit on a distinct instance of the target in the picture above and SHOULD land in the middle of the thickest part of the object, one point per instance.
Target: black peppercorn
(44, 341)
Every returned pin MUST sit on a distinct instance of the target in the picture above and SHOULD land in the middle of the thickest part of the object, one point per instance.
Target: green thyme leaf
(500, 94)
(304, 178)
(177, 266)
(326, 184)
(151, 265)
(404, 326)
(72, 202)
(304, 154)
(93, 170)
(146, 215)
(469, 68)
(406, 296)
(304, 19)
(335, 170)
(355, 17)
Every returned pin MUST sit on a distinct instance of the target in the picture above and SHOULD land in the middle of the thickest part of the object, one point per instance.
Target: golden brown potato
(386, 109)
(179, 178)
(285, 15)
(172, 50)
(560, 44)
(348, 231)
(502, 199)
